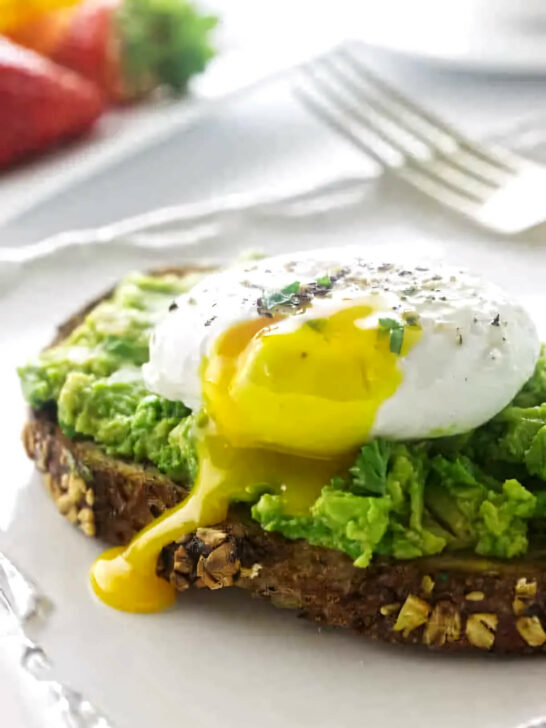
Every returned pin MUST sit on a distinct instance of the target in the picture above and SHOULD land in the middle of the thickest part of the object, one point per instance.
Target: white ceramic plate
(222, 659)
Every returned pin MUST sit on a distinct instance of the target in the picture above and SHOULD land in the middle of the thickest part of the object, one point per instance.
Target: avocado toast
(114, 465)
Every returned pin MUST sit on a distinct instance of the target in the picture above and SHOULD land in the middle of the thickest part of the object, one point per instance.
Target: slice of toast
(446, 602)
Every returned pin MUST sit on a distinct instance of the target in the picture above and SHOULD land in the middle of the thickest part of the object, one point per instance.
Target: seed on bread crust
(480, 630)
(427, 585)
(65, 484)
(252, 572)
(526, 589)
(388, 609)
(525, 593)
(37, 448)
(211, 537)
(475, 596)
(444, 625)
(183, 563)
(530, 628)
(218, 568)
(413, 614)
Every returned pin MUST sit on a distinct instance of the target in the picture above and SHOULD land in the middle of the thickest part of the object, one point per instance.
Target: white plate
(222, 659)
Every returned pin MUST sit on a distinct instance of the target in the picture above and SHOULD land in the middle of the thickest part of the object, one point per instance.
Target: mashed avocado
(94, 378)
(430, 503)
(484, 491)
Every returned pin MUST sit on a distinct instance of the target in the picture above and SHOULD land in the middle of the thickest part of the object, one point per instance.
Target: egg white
(477, 348)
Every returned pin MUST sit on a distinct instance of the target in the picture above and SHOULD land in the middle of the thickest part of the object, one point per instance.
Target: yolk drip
(125, 577)
(287, 412)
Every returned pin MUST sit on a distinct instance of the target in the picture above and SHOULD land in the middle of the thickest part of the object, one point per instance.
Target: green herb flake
(317, 324)
(396, 340)
(269, 301)
(396, 331)
(388, 324)
(324, 281)
(291, 289)
(369, 473)
(296, 295)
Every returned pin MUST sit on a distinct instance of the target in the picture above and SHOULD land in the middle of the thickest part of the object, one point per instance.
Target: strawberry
(127, 47)
(90, 46)
(41, 103)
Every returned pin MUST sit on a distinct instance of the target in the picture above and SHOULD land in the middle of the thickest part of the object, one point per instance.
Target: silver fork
(491, 185)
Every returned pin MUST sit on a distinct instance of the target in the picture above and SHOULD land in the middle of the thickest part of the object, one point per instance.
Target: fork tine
(439, 191)
(442, 144)
(335, 117)
(329, 87)
(338, 118)
(497, 156)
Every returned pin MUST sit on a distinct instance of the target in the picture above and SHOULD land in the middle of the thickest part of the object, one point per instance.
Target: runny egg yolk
(311, 391)
(286, 411)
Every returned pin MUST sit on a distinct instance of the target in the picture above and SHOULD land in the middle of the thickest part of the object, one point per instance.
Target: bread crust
(444, 603)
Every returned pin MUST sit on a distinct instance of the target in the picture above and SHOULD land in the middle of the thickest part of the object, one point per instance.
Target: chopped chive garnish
(324, 281)
(396, 331)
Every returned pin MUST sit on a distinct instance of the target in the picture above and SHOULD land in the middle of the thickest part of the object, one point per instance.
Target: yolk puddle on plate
(287, 411)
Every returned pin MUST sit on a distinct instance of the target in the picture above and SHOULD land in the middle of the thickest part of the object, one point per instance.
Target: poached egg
(321, 376)
(298, 360)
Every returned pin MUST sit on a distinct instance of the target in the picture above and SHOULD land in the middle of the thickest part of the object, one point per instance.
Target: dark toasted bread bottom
(445, 602)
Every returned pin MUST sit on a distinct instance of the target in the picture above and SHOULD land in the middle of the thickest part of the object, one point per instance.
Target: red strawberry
(90, 46)
(41, 103)
(127, 47)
